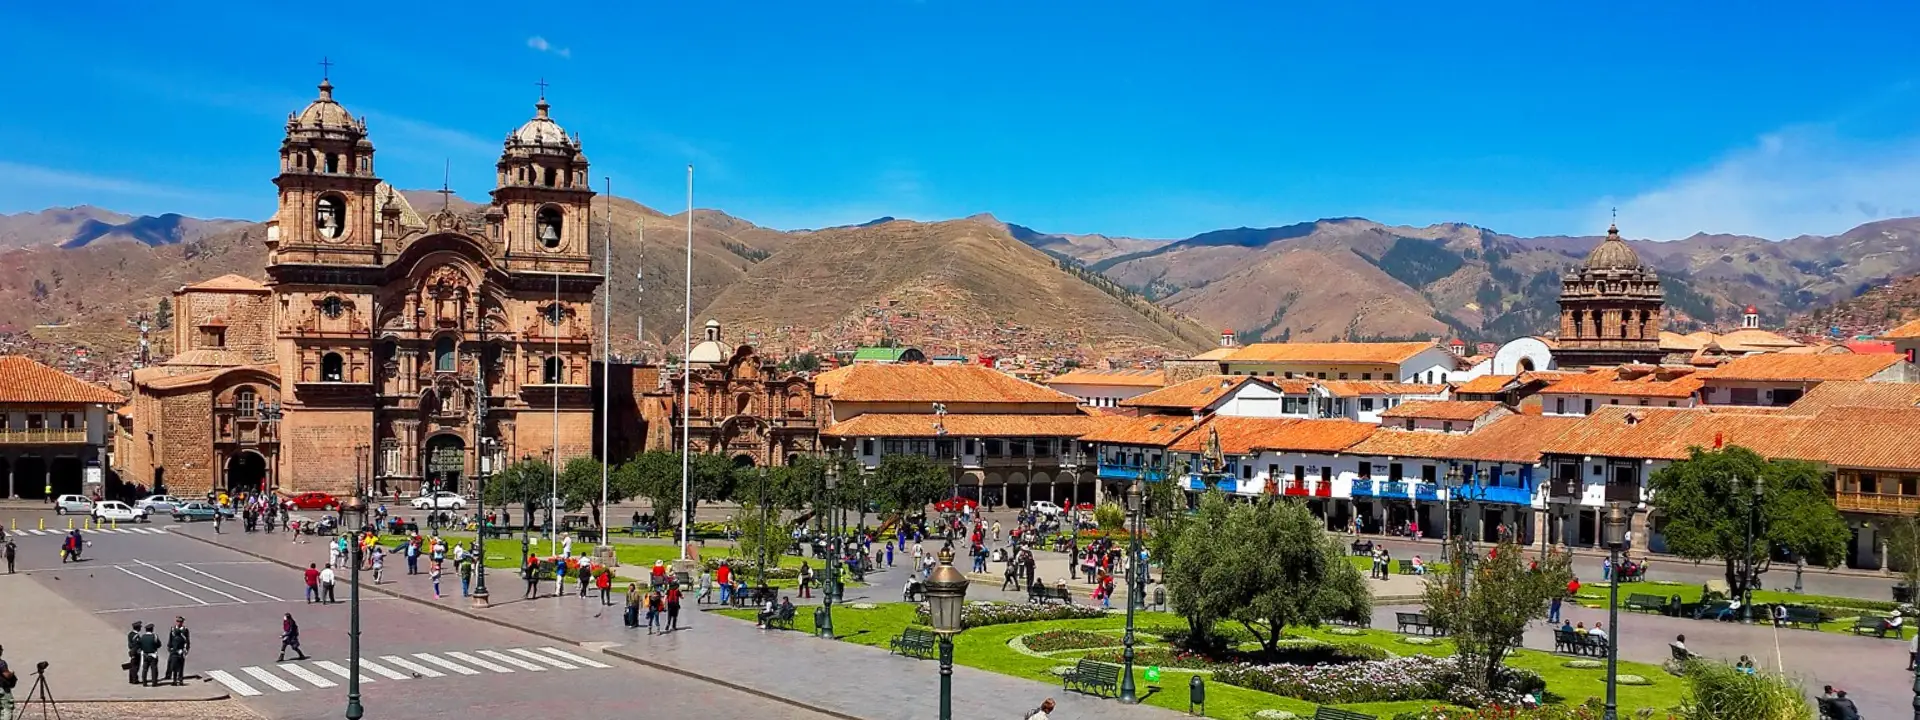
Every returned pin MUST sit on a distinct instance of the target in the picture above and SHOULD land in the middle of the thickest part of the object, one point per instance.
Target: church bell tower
(328, 211)
(542, 197)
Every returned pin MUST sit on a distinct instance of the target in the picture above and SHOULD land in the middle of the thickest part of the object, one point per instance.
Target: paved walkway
(42, 625)
(836, 678)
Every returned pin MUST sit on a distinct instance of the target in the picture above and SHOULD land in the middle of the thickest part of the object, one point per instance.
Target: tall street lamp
(481, 598)
(824, 623)
(354, 514)
(1135, 574)
(1619, 519)
(946, 599)
(1748, 564)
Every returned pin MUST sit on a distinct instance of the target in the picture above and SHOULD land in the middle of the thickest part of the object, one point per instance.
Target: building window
(443, 354)
(1409, 423)
(968, 446)
(1246, 471)
(67, 421)
(893, 446)
(1446, 426)
(1343, 376)
(1366, 404)
(1560, 406)
(551, 373)
(36, 421)
(1366, 376)
(329, 216)
(549, 221)
(1587, 406)
(244, 402)
(1670, 403)
(943, 449)
(1366, 470)
(1394, 472)
(993, 448)
(332, 368)
(866, 446)
(213, 337)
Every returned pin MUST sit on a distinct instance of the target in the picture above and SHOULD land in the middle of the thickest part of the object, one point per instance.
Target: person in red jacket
(1573, 587)
(313, 583)
(605, 582)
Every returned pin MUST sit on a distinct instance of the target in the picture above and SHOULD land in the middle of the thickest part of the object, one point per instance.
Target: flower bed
(1299, 653)
(1053, 640)
(1162, 657)
(1588, 711)
(1414, 677)
(982, 615)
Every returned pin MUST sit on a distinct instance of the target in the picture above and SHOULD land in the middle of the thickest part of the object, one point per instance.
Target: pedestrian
(724, 576)
(290, 637)
(566, 544)
(465, 566)
(531, 573)
(379, 562)
(632, 618)
(178, 643)
(7, 682)
(673, 607)
(326, 586)
(604, 581)
(434, 572)
(1553, 611)
(313, 584)
(10, 552)
(562, 568)
(1044, 712)
(653, 610)
(333, 554)
(413, 555)
(806, 581)
(133, 655)
(149, 656)
(586, 577)
(217, 515)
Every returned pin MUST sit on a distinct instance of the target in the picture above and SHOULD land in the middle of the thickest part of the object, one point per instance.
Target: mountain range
(979, 285)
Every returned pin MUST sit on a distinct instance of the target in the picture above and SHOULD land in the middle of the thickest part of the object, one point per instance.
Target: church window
(244, 402)
(548, 227)
(443, 354)
(332, 307)
(547, 176)
(553, 370)
(333, 162)
(329, 216)
(332, 368)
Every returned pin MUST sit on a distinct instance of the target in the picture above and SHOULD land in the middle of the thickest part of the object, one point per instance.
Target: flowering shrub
(1304, 652)
(982, 615)
(1052, 640)
(1415, 677)
(1589, 711)
(1162, 657)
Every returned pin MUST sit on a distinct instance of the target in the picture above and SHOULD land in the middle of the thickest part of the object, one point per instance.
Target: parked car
(1044, 508)
(161, 504)
(310, 501)
(441, 500)
(189, 512)
(76, 504)
(117, 511)
(954, 504)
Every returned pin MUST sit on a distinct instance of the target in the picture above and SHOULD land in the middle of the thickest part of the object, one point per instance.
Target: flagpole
(686, 384)
(606, 367)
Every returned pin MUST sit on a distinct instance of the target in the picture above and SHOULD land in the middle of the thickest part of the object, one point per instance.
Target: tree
(1707, 500)
(163, 314)
(525, 484)
(654, 475)
(1903, 546)
(1266, 565)
(580, 486)
(906, 483)
(710, 478)
(1487, 602)
(1110, 517)
(762, 529)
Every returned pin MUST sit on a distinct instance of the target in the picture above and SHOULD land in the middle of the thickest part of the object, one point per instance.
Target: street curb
(611, 652)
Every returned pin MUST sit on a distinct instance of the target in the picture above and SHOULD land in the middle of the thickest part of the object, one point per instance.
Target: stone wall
(319, 449)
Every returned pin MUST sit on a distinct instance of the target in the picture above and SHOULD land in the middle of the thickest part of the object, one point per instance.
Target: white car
(441, 500)
(117, 511)
(1044, 508)
(76, 504)
(161, 504)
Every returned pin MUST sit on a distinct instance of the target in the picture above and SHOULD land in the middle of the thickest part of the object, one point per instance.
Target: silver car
(75, 504)
(158, 504)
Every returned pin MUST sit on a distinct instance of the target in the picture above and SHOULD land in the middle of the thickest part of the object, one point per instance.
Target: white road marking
(337, 669)
(230, 582)
(411, 666)
(152, 608)
(537, 657)
(370, 665)
(233, 683)
(310, 676)
(511, 660)
(146, 531)
(469, 659)
(272, 680)
(162, 587)
(222, 593)
(462, 669)
(562, 654)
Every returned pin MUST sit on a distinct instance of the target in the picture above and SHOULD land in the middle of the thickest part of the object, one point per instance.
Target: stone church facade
(385, 346)
(740, 404)
(1611, 309)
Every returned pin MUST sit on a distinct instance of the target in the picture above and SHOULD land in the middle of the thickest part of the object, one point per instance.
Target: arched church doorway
(446, 459)
(246, 472)
(743, 461)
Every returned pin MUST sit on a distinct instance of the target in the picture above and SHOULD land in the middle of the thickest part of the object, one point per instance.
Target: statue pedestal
(606, 555)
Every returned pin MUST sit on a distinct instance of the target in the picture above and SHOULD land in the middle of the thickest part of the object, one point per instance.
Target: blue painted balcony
(1502, 494)
(1197, 483)
(1123, 471)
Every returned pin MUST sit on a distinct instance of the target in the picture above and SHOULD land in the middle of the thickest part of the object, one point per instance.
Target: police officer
(178, 643)
(149, 656)
(133, 655)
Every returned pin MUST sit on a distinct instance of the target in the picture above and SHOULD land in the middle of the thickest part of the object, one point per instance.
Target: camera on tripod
(41, 668)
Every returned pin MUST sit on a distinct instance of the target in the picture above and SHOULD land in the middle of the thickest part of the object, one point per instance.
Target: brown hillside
(960, 287)
(1883, 308)
(1346, 298)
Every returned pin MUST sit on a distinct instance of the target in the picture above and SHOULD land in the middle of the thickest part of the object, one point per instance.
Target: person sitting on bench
(768, 612)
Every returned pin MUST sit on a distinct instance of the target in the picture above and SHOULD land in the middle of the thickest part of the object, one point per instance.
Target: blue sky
(1129, 118)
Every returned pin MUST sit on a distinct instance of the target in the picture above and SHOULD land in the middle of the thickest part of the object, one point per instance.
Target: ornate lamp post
(946, 599)
(1747, 563)
(481, 598)
(354, 514)
(1619, 520)
(1136, 573)
(825, 622)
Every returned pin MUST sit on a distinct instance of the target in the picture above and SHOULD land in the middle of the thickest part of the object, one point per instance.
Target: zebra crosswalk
(100, 531)
(295, 676)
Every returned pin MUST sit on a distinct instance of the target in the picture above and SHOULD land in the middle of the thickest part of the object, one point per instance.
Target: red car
(954, 504)
(310, 501)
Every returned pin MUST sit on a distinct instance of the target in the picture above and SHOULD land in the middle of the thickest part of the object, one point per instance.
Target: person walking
(673, 607)
(326, 586)
(653, 610)
(806, 581)
(149, 656)
(604, 581)
(7, 682)
(1553, 611)
(313, 583)
(379, 561)
(586, 577)
(133, 655)
(290, 638)
(11, 552)
(413, 555)
(634, 597)
(465, 568)
(531, 573)
(179, 641)
(434, 571)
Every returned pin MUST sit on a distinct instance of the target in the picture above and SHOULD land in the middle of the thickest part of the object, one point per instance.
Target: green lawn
(1843, 610)
(634, 557)
(987, 648)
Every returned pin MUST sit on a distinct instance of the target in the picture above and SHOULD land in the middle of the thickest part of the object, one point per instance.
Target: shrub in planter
(1414, 677)
(1583, 664)
(974, 616)
(1053, 640)
(1716, 691)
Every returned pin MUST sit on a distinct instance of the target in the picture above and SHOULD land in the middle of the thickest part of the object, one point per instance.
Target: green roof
(879, 354)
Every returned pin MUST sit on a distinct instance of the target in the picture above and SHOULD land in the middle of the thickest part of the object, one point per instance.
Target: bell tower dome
(328, 211)
(542, 193)
(1611, 308)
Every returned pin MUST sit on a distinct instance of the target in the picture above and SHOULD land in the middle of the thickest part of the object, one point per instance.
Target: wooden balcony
(1881, 503)
(44, 436)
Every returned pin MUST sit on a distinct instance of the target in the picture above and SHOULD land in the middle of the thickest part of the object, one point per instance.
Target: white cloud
(45, 177)
(539, 43)
(1804, 179)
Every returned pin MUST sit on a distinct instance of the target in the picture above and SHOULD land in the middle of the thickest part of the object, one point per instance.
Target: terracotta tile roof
(1802, 368)
(24, 381)
(1219, 353)
(960, 425)
(1857, 393)
(1607, 381)
(1155, 430)
(1467, 410)
(1196, 393)
(885, 382)
(227, 283)
(1331, 353)
(1248, 435)
(1875, 438)
(1388, 442)
(202, 377)
(1356, 388)
(1515, 438)
(1485, 384)
(1123, 378)
(1908, 330)
(1667, 433)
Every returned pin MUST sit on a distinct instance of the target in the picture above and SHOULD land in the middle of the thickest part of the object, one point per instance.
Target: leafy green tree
(906, 483)
(1266, 565)
(1707, 500)
(1488, 602)
(1110, 517)
(711, 478)
(580, 486)
(1903, 546)
(523, 484)
(163, 314)
(760, 530)
(654, 475)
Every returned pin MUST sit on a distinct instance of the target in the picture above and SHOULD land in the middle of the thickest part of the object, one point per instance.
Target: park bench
(1873, 624)
(1043, 594)
(913, 642)
(495, 531)
(914, 592)
(1332, 713)
(1645, 603)
(1801, 616)
(1680, 654)
(1419, 623)
(1092, 677)
(1362, 548)
(1405, 567)
(1573, 643)
(782, 618)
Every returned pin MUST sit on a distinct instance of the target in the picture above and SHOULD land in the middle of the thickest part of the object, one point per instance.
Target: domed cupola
(1613, 253)
(542, 193)
(327, 186)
